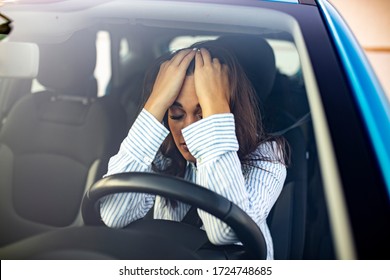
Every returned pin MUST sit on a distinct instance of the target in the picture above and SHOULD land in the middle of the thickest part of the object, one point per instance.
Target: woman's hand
(168, 83)
(211, 84)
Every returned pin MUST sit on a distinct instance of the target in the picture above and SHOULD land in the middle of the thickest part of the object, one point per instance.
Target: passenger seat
(57, 142)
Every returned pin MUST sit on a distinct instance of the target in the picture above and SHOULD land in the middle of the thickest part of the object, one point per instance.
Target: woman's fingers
(203, 58)
(183, 58)
(211, 84)
(198, 59)
(206, 57)
(168, 83)
(216, 62)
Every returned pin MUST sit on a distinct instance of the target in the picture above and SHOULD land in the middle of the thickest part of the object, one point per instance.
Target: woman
(200, 123)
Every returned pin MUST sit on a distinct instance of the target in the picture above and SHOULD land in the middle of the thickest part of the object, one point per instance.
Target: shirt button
(199, 160)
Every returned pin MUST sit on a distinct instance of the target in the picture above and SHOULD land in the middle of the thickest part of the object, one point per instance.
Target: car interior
(55, 142)
(48, 139)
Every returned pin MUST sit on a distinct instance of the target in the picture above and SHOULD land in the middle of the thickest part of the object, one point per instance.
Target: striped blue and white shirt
(213, 142)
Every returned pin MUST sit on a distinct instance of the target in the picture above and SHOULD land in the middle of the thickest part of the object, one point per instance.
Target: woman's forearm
(136, 153)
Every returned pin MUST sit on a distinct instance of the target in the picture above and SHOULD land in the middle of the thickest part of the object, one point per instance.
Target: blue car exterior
(367, 91)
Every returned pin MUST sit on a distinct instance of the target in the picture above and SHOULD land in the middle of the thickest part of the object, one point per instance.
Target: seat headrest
(67, 68)
(256, 57)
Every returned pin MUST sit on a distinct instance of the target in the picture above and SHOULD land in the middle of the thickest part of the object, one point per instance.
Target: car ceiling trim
(283, 1)
(308, 2)
(168, 14)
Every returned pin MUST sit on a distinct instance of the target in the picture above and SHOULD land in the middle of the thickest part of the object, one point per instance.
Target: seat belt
(299, 122)
(149, 214)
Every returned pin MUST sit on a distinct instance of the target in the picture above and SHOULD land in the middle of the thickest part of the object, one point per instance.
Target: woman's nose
(189, 120)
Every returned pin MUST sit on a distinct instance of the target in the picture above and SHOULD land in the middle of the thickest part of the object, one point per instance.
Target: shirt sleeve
(136, 153)
(213, 142)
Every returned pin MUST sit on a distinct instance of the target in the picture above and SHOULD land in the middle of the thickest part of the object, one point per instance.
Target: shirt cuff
(211, 137)
(145, 137)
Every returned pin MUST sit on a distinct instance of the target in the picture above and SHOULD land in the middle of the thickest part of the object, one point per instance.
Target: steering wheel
(179, 189)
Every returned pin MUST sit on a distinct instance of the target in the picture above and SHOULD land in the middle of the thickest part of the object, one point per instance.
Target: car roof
(72, 5)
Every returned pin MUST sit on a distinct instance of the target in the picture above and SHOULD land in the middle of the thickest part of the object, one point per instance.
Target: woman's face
(184, 111)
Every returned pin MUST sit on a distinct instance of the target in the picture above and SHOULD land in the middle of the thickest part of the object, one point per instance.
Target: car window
(103, 61)
(286, 55)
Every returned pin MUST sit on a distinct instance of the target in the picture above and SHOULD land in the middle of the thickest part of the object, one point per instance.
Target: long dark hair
(244, 105)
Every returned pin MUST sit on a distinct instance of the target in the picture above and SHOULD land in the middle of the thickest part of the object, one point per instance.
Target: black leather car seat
(288, 114)
(57, 142)
(287, 218)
